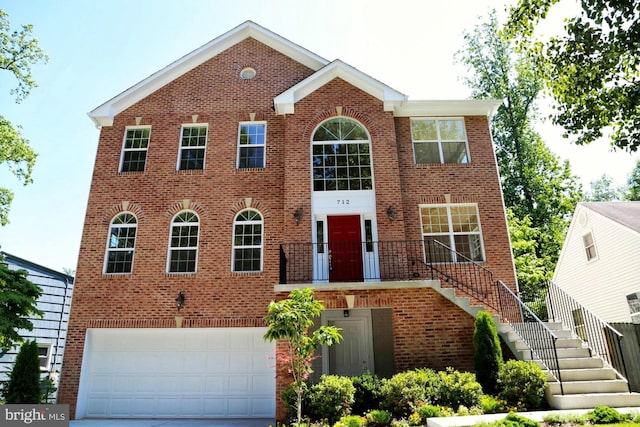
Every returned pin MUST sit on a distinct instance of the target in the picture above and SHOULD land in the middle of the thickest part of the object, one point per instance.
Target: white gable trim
(104, 114)
(285, 102)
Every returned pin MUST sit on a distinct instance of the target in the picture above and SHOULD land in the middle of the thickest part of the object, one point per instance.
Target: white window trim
(47, 358)
(449, 235)
(439, 141)
(345, 142)
(180, 147)
(264, 146)
(108, 249)
(234, 247)
(171, 225)
(124, 141)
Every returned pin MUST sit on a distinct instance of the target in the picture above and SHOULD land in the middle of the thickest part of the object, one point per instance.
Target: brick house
(247, 168)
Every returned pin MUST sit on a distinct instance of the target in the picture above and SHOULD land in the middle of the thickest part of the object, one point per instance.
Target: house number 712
(343, 201)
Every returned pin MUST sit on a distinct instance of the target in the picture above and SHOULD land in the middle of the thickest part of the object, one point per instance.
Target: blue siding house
(50, 331)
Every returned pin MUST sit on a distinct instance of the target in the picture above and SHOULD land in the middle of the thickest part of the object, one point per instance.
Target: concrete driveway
(172, 423)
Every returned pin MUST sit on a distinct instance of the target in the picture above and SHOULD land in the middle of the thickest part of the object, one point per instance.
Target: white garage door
(177, 373)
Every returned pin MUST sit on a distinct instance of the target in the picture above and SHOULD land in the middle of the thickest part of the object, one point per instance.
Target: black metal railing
(540, 340)
(601, 339)
(431, 259)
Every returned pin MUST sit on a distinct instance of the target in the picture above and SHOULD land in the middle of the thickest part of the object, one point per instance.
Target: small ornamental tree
(18, 303)
(487, 352)
(289, 320)
(24, 380)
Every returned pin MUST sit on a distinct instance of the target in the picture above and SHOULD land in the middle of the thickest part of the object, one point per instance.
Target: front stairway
(587, 380)
(578, 379)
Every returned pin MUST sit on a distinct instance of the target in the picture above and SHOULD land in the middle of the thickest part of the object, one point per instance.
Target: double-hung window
(439, 140)
(44, 356)
(134, 149)
(451, 233)
(193, 143)
(251, 145)
(247, 241)
(183, 246)
(121, 244)
(589, 246)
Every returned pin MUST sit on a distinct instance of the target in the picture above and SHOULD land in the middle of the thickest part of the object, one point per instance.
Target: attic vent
(247, 73)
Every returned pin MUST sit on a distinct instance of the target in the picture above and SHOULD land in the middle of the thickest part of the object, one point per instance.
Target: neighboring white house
(50, 331)
(600, 261)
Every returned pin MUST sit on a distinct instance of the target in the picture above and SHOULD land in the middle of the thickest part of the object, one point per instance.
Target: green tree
(603, 189)
(18, 297)
(19, 50)
(531, 270)
(24, 380)
(289, 320)
(591, 70)
(538, 188)
(633, 184)
(487, 356)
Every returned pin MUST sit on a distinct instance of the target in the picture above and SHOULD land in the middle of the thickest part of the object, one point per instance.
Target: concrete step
(589, 387)
(564, 333)
(591, 400)
(577, 363)
(563, 353)
(589, 374)
(560, 343)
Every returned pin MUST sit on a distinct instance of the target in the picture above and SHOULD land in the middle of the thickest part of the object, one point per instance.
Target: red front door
(345, 248)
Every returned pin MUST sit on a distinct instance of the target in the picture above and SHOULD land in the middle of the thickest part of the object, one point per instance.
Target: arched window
(341, 156)
(121, 244)
(183, 246)
(247, 241)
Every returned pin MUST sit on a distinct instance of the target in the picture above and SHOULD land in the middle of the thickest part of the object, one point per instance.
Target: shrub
(511, 420)
(521, 384)
(24, 379)
(405, 391)
(429, 411)
(331, 398)
(367, 394)
(560, 419)
(378, 418)
(491, 404)
(606, 415)
(351, 421)
(487, 356)
(458, 388)
(521, 421)
(415, 419)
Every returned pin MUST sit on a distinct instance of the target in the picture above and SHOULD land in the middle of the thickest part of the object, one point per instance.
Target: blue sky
(99, 49)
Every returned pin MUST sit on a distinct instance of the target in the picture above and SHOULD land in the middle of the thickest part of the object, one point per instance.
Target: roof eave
(104, 114)
(462, 107)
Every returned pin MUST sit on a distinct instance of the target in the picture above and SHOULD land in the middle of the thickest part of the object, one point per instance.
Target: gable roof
(104, 114)
(624, 213)
(285, 102)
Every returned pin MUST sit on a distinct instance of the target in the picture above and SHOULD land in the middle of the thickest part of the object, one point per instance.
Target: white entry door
(177, 373)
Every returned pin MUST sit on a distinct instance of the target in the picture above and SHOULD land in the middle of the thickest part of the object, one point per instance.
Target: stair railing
(541, 341)
(601, 339)
(477, 281)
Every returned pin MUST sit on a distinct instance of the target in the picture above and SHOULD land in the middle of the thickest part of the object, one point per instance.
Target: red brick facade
(428, 330)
